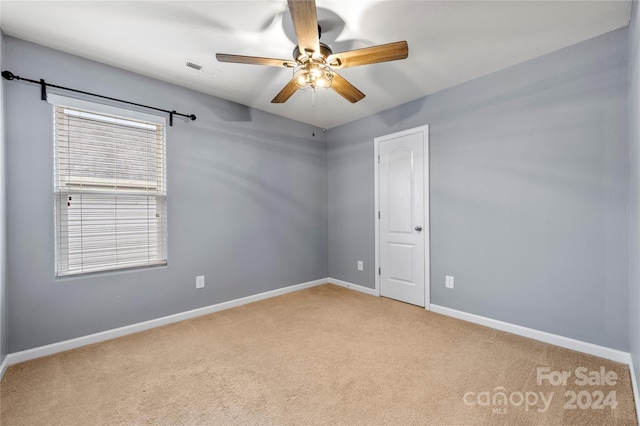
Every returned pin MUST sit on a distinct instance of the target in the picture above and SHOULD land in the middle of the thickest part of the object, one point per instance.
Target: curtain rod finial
(8, 75)
(192, 117)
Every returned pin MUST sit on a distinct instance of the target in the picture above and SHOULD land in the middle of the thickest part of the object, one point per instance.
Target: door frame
(427, 224)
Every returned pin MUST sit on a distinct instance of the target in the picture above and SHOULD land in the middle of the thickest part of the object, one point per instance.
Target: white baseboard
(356, 287)
(554, 339)
(3, 367)
(634, 384)
(66, 345)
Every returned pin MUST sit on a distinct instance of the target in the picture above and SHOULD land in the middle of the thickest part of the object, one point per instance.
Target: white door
(402, 223)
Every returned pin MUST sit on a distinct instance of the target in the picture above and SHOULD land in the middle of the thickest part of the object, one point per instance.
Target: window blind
(110, 187)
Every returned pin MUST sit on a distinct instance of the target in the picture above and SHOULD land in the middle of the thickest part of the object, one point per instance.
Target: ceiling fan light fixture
(313, 75)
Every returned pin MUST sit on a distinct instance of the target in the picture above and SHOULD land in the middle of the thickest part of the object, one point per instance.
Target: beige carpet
(325, 355)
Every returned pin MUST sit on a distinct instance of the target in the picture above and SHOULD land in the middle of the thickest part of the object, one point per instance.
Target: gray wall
(4, 331)
(528, 191)
(529, 184)
(246, 198)
(634, 188)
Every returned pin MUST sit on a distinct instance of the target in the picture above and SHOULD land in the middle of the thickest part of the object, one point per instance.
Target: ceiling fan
(314, 63)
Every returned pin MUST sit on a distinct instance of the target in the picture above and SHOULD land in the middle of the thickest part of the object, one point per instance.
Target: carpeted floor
(325, 355)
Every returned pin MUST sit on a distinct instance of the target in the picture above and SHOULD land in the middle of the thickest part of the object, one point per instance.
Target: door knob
(418, 228)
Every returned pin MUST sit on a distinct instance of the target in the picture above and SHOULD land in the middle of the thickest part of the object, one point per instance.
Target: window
(110, 188)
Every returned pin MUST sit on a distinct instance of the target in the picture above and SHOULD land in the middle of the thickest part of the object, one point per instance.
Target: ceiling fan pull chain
(313, 108)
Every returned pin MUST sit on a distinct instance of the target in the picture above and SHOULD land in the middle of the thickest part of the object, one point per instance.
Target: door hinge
(378, 158)
(379, 273)
(378, 214)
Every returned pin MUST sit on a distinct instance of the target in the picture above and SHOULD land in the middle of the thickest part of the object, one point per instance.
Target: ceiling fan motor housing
(325, 52)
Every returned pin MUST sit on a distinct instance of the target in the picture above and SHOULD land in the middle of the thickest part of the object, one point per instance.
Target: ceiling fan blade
(346, 89)
(369, 55)
(255, 60)
(285, 93)
(305, 23)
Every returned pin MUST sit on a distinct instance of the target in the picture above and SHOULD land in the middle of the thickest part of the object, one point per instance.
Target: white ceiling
(450, 42)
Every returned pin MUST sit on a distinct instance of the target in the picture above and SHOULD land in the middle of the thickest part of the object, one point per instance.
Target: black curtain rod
(43, 95)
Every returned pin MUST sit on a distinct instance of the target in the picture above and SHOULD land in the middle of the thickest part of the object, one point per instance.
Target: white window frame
(93, 187)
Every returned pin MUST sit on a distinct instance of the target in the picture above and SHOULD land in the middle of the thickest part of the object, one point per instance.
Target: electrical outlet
(448, 281)
(360, 265)
(200, 281)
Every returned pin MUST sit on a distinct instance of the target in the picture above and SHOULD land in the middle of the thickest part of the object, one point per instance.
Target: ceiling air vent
(211, 72)
(193, 65)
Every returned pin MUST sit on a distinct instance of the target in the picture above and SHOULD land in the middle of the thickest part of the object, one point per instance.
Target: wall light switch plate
(448, 281)
(200, 281)
(360, 265)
